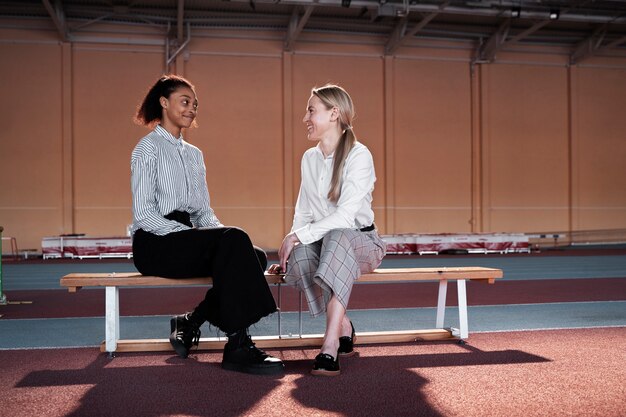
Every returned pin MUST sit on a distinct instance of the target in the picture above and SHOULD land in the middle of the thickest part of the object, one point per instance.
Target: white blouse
(315, 215)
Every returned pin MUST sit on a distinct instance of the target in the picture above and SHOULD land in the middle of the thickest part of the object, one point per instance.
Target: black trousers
(239, 296)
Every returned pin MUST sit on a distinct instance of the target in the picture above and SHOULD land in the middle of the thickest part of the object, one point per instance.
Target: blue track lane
(72, 332)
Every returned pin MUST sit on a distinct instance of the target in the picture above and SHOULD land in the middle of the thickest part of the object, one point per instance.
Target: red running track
(515, 374)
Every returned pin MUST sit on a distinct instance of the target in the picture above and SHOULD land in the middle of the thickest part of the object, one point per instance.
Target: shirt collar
(321, 154)
(168, 136)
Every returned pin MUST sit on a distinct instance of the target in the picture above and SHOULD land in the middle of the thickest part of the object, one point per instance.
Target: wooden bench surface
(134, 279)
(114, 280)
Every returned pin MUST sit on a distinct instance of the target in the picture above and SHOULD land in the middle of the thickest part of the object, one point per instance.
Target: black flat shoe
(346, 344)
(246, 357)
(325, 365)
(184, 335)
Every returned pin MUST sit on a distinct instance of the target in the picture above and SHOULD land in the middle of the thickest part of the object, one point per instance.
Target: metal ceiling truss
(400, 33)
(486, 52)
(587, 27)
(58, 17)
(593, 45)
(296, 24)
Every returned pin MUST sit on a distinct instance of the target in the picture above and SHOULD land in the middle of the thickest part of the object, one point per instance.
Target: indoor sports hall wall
(526, 144)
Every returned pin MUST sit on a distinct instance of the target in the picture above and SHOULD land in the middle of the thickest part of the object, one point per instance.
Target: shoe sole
(260, 370)
(324, 372)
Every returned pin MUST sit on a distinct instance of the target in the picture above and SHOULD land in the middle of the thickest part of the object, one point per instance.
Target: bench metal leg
(299, 313)
(463, 326)
(112, 318)
(441, 303)
(280, 328)
(441, 306)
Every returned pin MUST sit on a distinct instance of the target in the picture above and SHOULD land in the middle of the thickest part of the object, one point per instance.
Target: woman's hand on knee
(275, 269)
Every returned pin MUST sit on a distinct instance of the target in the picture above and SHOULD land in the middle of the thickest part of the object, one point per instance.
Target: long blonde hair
(335, 96)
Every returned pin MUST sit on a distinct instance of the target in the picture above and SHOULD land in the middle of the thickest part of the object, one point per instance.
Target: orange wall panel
(108, 87)
(30, 144)
(526, 146)
(362, 77)
(599, 148)
(432, 141)
(240, 134)
(530, 146)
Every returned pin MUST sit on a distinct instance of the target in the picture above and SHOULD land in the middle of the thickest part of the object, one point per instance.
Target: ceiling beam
(593, 46)
(400, 33)
(588, 47)
(179, 21)
(169, 58)
(397, 35)
(534, 28)
(58, 18)
(396, 8)
(296, 24)
(615, 43)
(486, 52)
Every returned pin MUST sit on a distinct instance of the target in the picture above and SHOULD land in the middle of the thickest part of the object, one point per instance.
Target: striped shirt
(168, 174)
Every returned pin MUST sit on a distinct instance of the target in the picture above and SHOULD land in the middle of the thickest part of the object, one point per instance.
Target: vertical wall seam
(288, 156)
(389, 120)
(475, 151)
(570, 172)
(67, 142)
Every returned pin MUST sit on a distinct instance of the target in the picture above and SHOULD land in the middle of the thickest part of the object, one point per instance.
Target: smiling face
(319, 120)
(179, 109)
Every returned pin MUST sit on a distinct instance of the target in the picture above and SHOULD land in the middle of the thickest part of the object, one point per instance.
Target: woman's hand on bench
(275, 269)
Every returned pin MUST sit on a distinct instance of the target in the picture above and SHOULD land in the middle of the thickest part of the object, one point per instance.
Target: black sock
(237, 338)
(195, 319)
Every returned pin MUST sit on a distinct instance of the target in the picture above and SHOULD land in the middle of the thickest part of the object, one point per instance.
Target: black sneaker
(184, 335)
(246, 357)
(325, 365)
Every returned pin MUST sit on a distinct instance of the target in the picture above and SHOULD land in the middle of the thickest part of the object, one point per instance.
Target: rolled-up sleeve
(205, 217)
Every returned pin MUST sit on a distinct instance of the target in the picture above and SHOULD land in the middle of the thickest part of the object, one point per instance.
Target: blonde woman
(333, 239)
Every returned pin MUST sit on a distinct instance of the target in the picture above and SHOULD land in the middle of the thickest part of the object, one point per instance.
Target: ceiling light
(554, 14)
(516, 12)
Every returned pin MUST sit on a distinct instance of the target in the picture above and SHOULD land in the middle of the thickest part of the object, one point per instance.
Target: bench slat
(429, 274)
(127, 279)
(308, 340)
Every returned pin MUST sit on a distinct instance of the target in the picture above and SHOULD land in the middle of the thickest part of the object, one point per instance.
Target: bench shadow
(388, 385)
(192, 386)
(368, 386)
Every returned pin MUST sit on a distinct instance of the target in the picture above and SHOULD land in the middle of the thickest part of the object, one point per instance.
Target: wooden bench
(114, 281)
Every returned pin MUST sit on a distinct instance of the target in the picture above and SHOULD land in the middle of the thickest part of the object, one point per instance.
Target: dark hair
(150, 109)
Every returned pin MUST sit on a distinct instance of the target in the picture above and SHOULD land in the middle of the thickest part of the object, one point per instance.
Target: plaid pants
(332, 264)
